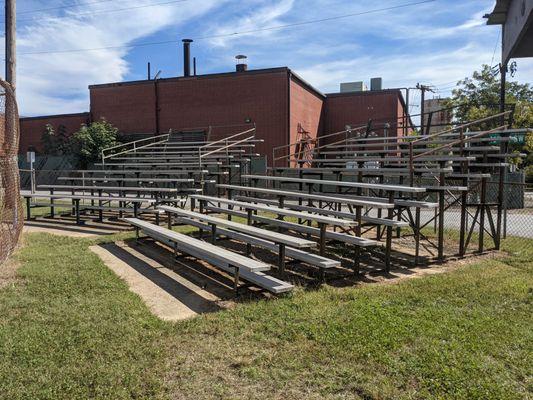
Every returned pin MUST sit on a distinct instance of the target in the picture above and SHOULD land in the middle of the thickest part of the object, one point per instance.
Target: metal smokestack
(187, 57)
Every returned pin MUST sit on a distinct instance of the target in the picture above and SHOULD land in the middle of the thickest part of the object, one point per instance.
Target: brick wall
(265, 97)
(357, 108)
(306, 111)
(32, 128)
(201, 101)
(131, 108)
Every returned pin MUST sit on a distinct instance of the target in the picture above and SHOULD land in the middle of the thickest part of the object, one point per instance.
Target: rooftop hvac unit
(376, 83)
(348, 87)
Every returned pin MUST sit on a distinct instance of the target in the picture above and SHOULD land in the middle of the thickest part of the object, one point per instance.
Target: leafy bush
(55, 144)
(87, 144)
(529, 174)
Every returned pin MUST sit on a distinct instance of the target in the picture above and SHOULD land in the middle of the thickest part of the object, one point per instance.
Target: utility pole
(11, 42)
(423, 89)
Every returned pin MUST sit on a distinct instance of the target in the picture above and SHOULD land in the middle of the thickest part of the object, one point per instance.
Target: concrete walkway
(169, 295)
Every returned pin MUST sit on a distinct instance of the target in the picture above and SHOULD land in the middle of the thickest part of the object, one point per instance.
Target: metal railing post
(411, 165)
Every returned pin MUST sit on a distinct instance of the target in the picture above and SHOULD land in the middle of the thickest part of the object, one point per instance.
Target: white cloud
(57, 82)
(399, 70)
(259, 17)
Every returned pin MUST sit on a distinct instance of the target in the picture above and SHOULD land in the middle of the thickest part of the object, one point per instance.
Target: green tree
(478, 97)
(87, 144)
(54, 144)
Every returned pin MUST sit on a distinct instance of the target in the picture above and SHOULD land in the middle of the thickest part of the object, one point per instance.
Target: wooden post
(11, 43)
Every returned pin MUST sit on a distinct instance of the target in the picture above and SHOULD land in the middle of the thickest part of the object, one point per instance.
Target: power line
(62, 7)
(231, 34)
(106, 11)
(439, 85)
(318, 20)
(495, 48)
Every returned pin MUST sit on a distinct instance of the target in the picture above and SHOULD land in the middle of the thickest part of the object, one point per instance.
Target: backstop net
(11, 214)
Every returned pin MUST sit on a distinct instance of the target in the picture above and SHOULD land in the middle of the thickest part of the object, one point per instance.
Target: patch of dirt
(398, 275)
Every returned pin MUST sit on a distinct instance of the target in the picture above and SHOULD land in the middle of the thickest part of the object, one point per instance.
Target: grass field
(70, 329)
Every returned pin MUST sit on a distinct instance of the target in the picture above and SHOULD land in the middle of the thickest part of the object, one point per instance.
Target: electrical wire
(318, 20)
(90, 13)
(495, 48)
(61, 7)
(439, 85)
(231, 34)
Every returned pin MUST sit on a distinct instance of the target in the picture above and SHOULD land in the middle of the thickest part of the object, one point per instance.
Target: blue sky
(435, 43)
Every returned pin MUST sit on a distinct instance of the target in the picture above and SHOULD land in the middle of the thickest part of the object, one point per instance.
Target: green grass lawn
(70, 329)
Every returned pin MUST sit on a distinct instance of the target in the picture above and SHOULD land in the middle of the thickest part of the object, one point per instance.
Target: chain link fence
(11, 217)
(517, 214)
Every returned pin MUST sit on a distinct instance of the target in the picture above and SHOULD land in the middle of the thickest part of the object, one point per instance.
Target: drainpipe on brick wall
(156, 105)
(289, 80)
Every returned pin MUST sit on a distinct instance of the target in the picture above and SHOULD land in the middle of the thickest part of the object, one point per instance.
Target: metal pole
(406, 122)
(32, 175)
(422, 98)
(11, 42)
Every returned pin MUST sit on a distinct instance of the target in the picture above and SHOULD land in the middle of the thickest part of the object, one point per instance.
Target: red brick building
(278, 101)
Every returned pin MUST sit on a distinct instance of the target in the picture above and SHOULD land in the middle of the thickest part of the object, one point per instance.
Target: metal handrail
(228, 143)
(232, 144)
(415, 140)
(135, 146)
(311, 140)
(225, 140)
(462, 126)
(462, 140)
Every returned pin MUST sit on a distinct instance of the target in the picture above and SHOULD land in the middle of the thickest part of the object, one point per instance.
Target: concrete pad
(66, 227)
(169, 295)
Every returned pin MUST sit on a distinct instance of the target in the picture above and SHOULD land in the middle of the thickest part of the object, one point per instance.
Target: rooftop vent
(241, 63)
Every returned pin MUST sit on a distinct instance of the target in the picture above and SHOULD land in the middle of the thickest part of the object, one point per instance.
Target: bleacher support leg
(236, 282)
(482, 215)
(441, 227)
(463, 228)
(358, 227)
(77, 208)
(100, 205)
(249, 221)
(417, 235)
(322, 243)
(52, 208)
(281, 260)
(28, 208)
(389, 235)
(213, 233)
